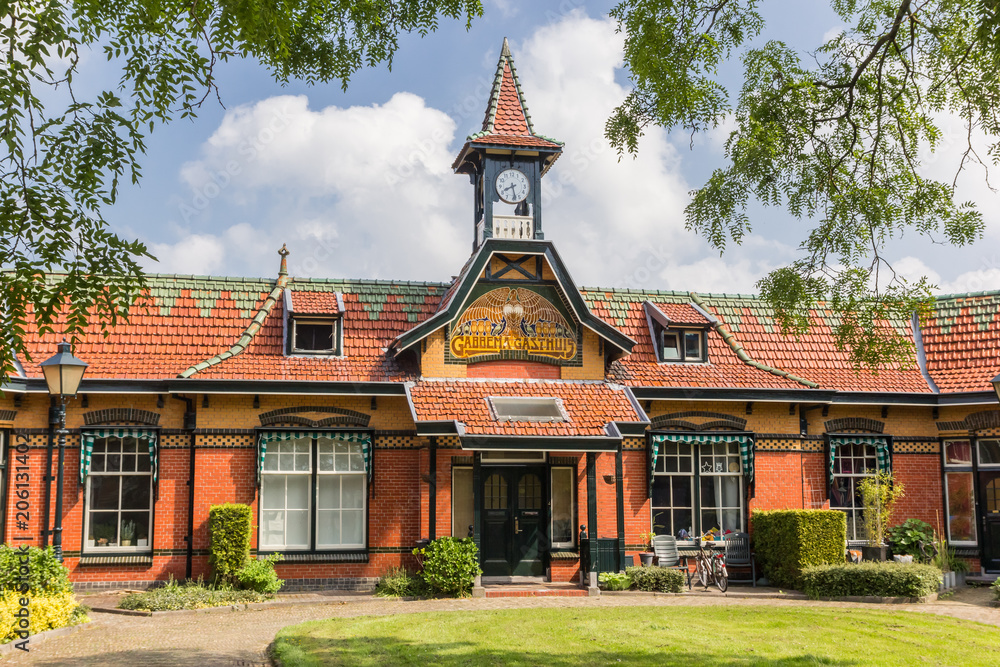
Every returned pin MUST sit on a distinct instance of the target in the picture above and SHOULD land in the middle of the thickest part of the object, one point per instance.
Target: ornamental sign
(513, 319)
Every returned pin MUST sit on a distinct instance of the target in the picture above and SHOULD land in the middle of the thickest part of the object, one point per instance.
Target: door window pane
(529, 492)
(562, 506)
(961, 507)
(495, 492)
(462, 515)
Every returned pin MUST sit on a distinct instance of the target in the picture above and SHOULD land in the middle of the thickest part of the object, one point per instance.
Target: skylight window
(528, 409)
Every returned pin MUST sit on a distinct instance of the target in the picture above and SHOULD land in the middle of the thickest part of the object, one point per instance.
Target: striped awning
(883, 455)
(87, 439)
(265, 437)
(745, 442)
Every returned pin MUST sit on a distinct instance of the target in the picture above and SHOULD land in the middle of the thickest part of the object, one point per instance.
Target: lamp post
(63, 373)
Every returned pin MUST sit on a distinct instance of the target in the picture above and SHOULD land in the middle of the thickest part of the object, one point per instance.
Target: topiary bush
(258, 575)
(788, 541)
(912, 580)
(229, 527)
(658, 579)
(46, 575)
(450, 564)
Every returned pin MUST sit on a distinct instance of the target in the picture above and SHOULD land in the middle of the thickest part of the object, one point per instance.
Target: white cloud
(507, 8)
(199, 254)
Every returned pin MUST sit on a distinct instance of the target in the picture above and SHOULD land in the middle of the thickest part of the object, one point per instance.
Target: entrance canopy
(527, 414)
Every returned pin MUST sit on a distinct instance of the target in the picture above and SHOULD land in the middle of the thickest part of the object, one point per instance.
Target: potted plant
(879, 495)
(128, 532)
(647, 556)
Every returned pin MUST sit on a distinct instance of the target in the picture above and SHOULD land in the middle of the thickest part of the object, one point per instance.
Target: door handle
(517, 527)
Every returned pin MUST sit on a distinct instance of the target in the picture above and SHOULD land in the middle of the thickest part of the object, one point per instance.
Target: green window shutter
(883, 456)
(87, 439)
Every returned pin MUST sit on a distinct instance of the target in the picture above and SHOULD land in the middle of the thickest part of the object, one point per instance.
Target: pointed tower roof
(507, 122)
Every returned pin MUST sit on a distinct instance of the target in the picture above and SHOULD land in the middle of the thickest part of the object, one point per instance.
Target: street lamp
(63, 373)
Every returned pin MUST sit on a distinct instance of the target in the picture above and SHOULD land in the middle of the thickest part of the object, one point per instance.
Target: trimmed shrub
(398, 583)
(912, 580)
(614, 581)
(46, 612)
(259, 575)
(229, 527)
(788, 541)
(658, 579)
(46, 575)
(450, 565)
(996, 590)
(191, 595)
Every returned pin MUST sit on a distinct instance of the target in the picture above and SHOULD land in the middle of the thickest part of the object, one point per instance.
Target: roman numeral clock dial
(512, 186)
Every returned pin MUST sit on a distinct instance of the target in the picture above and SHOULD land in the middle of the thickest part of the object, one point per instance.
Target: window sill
(564, 554)
(117, 559)
(343, 557)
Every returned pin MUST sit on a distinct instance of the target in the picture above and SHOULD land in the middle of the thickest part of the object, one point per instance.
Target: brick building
(357, 417)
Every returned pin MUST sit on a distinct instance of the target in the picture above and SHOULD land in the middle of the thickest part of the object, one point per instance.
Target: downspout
(190, 422)
(53, 420)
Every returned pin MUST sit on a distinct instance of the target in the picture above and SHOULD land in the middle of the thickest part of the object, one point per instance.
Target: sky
(358, 183)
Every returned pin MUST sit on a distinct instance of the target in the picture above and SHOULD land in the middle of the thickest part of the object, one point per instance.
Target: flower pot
(959, 579)
(126, 543)
(647, 558)
(875, 553)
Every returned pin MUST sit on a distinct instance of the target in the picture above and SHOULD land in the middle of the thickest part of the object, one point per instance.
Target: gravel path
(241, 637)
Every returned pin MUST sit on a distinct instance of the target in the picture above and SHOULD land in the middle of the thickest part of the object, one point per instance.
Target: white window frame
(572, 507)
(959, 468)
(90, 546)
(868, 472)
(486, 456)
(979, 454)
(681, 336)
(456, 530)
(334, 323)
(313, 474)
(695, 476)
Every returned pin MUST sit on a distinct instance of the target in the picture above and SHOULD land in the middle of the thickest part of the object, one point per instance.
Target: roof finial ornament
(506, 48)
(283, 271)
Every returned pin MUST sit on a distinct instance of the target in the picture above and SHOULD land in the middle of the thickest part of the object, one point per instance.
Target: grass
(642, 636)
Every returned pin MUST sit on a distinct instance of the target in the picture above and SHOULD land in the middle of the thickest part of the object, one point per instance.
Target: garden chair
(665, 548)
(739, 556)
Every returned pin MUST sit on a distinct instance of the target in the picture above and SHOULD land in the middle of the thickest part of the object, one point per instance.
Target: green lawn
(643, 636)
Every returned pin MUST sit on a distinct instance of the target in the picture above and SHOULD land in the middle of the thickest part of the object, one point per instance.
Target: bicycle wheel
(701, 572)
(720, 575)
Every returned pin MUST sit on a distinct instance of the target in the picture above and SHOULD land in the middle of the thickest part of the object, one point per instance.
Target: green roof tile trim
(247, 337)
(742, 354)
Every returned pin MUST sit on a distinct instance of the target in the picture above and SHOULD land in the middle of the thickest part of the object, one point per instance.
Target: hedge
(788, 541)
(912, 580)
(229, 527)
(45, 612)
(450, 565)
(659, 579)
(46, 575)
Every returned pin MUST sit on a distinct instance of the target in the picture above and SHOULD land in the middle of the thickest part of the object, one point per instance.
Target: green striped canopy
(883, 457)
(87, 439)
(265, 437)
(745, 441)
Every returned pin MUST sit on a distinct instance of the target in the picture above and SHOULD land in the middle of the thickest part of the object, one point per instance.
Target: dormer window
(682, 345)
(679, 331)
(314, 323)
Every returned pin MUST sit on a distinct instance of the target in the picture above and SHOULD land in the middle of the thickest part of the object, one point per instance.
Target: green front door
(514, 521)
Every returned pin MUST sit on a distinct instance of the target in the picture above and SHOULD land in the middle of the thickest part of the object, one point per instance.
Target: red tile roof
(962, 342)
(590, 405)
(682, 313)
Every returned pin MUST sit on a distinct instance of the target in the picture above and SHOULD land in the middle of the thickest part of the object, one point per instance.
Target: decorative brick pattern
(977, 421)
(292, 415)
(853, 424)
(110, 415)
(7, 415)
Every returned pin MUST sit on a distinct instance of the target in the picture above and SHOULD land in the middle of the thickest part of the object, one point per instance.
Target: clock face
(512, 186)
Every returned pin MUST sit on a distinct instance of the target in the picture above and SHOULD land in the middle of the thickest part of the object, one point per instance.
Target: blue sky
(358, 183)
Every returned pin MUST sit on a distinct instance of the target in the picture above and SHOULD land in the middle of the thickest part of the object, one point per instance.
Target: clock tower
(505, 162)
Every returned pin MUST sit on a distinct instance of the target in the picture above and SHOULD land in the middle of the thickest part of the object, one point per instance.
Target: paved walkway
(240, 638)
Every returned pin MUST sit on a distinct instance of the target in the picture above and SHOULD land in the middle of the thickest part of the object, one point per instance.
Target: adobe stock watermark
(22, 517)
(647, 266)
(248, 150)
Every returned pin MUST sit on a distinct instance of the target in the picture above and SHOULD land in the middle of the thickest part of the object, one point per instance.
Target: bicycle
(711, 568)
